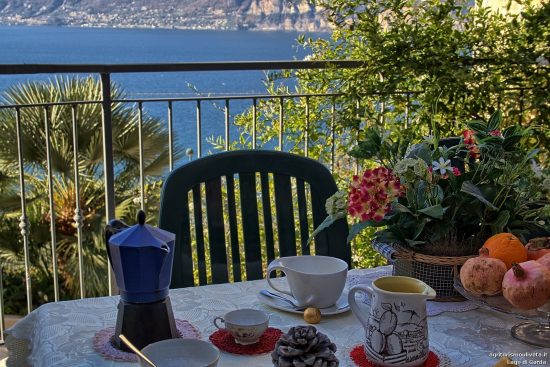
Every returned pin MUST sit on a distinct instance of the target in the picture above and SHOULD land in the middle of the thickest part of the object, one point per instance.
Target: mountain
(295, 15)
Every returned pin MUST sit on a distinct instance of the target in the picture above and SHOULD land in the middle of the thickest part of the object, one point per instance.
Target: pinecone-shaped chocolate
(303, 346)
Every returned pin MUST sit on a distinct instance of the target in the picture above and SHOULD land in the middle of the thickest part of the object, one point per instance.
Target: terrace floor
(9, 320)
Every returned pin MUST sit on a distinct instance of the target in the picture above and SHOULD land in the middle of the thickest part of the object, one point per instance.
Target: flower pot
(436, 271)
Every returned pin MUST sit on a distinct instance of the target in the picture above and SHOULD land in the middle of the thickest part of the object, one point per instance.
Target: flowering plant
(445, 197)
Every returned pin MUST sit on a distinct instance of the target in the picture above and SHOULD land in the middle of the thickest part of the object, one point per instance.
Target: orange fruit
(506, 247)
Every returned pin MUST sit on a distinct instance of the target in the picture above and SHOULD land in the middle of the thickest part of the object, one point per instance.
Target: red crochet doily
(223, 340)
(358, 356)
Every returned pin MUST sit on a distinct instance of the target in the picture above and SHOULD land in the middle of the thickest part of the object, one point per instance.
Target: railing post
(254, 121)
(332, 134)
(78, 217)
(281, 121)
(306, 132)
(23, 220)
(227, 122)
(358, 114)
(170, 138)
(407, 112)
(108, 160)
(141, 157)
(52, 205)
(1, 306)
(199, 129)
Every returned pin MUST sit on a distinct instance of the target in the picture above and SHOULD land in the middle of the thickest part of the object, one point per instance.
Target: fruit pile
(521, 273)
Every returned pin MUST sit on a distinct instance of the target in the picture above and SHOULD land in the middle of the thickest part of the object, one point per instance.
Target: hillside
(298, 15)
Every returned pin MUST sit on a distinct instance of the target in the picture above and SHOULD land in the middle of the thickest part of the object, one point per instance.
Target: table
(60, 334)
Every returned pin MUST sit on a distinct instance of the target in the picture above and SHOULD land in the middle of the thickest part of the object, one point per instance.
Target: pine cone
(303, 346)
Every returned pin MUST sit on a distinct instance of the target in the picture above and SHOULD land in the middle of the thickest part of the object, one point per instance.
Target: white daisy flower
(442, 165)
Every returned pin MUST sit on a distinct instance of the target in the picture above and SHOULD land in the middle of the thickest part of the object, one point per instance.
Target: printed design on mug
(396, 334)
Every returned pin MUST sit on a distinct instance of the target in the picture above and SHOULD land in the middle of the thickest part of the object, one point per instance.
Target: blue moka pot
(141, 257)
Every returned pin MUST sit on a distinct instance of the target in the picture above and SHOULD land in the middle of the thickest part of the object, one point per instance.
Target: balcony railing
(109, 165)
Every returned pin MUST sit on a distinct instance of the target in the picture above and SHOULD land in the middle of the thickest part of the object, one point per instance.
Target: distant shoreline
(322, 31)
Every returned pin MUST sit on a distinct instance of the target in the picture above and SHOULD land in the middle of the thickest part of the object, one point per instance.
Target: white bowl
(181, 353)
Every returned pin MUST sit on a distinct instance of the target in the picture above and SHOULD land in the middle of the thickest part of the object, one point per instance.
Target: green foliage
(92, 191)
(363, 255)
(455, 208)
(466, 60)
(424, 61)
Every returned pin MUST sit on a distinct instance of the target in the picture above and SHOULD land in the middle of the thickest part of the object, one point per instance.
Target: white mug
(316, 281)
(396, 330)
(246, 325)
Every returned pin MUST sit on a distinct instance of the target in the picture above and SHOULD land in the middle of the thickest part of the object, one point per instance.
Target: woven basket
(436, 271)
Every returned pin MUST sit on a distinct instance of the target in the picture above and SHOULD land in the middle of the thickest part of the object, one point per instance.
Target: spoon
(267, 293)
(135, 350)
(295, 307)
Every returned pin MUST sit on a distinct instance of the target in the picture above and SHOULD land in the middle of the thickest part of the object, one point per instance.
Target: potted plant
(436, 202)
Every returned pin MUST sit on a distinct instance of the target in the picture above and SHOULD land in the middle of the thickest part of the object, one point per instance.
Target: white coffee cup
(246, 325)
(316, 281)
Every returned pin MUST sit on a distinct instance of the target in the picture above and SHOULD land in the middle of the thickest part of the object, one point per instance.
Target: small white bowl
(181, 353)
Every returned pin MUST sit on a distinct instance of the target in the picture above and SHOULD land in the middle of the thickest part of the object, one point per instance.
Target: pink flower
(456, 171)
(495, 133)
(470, 142)
(370, 196)
(469, 137)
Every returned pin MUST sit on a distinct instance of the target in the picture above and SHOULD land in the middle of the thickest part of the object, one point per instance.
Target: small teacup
(245, 325)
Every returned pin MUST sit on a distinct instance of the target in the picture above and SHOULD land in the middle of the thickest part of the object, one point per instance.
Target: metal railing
(106, 102)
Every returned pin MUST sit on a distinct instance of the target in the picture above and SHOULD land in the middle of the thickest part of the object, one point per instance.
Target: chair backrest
(211, 184)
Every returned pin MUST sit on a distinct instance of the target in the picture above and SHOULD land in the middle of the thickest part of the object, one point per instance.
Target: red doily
(358, 356)
(223, 340)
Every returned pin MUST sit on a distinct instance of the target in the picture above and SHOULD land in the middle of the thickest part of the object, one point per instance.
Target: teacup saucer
(341, 305)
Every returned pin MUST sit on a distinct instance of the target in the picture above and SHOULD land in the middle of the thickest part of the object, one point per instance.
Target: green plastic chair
(241, 169)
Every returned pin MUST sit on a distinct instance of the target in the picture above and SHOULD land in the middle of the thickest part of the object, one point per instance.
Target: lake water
(60, 45)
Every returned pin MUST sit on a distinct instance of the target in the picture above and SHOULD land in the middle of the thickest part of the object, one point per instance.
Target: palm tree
(90, 167)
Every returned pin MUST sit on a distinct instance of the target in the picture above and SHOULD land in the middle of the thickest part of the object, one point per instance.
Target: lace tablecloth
(60, 334)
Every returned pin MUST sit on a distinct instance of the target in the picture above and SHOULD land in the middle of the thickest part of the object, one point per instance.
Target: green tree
(90, 167)
(465, 60)
(428, 67)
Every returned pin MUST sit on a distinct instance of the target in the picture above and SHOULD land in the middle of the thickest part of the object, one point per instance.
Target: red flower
(370, 196)
(495, 133)
(469, 137)
(474, 151)
(456, 171)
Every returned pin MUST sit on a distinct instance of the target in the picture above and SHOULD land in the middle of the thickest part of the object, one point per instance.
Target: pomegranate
(538, 247)
(483, 275)
(527, 285)
(545, 261)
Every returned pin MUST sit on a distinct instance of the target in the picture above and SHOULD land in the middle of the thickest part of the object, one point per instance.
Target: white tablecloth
(60, 334)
